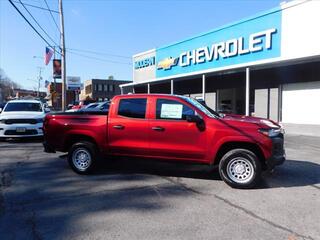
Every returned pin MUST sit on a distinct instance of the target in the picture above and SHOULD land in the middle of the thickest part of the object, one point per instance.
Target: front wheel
(240, 168)
(82, 157)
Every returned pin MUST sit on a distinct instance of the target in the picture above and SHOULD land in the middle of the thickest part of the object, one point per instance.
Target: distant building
(24, 93)
(55, 96)
(101, 89)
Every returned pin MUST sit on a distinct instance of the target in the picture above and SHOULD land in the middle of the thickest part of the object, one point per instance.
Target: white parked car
(22, 118)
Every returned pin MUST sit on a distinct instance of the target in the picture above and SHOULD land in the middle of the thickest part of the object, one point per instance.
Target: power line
(34, 6)
(99, 53)
(37, 23)
(98, 59)
(32, 26)
(52, 16)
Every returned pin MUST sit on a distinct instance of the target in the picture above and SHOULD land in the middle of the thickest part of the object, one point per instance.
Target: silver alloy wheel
(81, 159)
(240, 170)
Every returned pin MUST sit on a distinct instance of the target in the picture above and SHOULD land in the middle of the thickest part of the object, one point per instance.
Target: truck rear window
(133, 108)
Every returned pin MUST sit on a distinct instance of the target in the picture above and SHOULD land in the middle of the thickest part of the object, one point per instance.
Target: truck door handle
(118, 127)
(160, 129)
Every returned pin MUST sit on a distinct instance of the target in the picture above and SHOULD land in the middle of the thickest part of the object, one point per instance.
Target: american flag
(48, 55)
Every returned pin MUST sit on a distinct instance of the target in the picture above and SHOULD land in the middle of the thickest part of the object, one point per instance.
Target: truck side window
(133, 108)
(173, 110)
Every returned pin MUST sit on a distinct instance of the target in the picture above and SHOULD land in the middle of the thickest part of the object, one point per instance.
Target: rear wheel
(82, 157)
(240, 168)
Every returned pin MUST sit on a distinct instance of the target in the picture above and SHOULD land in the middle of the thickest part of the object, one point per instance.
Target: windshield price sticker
(171, 111)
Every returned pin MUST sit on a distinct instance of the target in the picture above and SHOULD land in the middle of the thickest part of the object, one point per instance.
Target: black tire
(240, 168)
(88, 151)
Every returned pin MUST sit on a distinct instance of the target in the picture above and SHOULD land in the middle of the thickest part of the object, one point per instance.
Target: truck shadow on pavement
(159, 168)
(293, 173)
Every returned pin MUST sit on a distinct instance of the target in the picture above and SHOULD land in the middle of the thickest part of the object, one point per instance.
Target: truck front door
(171, 136)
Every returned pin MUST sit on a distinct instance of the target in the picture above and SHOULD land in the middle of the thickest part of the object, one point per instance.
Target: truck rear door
(128, 126)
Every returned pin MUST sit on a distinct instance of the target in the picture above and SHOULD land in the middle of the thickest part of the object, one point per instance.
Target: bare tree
(6, 86)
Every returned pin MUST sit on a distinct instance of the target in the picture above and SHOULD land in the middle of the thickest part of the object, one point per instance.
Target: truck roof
(146, 95)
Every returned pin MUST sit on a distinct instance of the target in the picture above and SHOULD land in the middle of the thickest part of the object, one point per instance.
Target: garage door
(301, 103)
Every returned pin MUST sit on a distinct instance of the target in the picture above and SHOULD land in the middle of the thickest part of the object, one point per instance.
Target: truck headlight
(273, 132)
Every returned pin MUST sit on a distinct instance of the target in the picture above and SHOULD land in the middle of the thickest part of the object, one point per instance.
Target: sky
(102, 35)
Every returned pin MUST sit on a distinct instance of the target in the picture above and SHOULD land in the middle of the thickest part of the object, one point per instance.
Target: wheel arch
(227, 146)
(74, 138)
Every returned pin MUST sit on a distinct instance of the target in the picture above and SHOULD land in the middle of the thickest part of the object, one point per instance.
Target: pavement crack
(155, 188)
(6, 178)
(182, 185)
(261, 218)
(34, 230)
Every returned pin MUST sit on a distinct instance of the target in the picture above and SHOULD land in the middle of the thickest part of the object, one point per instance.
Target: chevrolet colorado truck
(169, 127)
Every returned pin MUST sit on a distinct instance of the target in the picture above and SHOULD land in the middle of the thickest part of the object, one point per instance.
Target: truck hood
(261, 122)
(21, 115)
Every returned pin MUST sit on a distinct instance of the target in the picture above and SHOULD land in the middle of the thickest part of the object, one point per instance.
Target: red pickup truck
(168, 127)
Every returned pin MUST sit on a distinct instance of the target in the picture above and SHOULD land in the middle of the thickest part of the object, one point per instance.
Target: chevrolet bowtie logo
(167, 63)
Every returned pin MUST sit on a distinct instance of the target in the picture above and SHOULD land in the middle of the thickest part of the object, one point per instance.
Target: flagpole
(53, 93)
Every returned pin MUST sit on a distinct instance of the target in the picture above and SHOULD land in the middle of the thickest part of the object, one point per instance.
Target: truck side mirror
(197, 120)
(46, 110)
(193, 118)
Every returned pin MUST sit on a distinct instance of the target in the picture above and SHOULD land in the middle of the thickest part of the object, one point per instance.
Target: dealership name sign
(256, 42)
(145, 63)
(234, 47)
(230, 48)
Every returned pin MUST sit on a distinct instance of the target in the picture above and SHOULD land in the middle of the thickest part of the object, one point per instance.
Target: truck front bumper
(278, 153)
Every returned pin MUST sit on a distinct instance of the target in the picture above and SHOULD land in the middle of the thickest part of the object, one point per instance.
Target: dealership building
(267, 65)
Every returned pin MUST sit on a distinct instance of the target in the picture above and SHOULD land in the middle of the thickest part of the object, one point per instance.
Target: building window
(106, 87)
(95, 87)
(99, 87)
(111, 88)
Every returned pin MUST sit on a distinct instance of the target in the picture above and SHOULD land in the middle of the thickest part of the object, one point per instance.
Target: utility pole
(63, 57)
(39, 80)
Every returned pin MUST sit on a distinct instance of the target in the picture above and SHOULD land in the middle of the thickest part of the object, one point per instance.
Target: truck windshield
(23, 107)
(204, 108)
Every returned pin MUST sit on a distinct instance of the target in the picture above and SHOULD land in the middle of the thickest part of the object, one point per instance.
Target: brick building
(101, 89)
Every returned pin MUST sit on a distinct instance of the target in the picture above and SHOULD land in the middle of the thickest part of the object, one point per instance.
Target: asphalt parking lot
(41, 198)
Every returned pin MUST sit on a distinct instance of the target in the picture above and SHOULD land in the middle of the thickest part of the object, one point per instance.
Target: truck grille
(17, 121)
(277, 147)
(14, 132)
